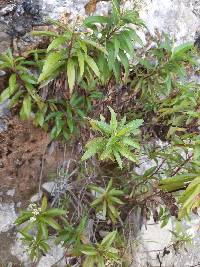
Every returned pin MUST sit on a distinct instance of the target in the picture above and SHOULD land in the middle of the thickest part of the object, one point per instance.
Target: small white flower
(32, 206)
(36, 211)
(32, 219)
(99, 35)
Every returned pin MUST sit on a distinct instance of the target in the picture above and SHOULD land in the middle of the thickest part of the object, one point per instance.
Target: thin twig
(41, 172)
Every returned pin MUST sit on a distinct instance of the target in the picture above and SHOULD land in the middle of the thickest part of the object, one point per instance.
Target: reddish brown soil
(23, 153)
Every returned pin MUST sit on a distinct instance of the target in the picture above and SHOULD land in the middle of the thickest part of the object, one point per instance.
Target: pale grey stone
(53, 256)
(171, 16)
(7, 216)
(48, 186)
(19, 250)
(11, 192)
(36, 197)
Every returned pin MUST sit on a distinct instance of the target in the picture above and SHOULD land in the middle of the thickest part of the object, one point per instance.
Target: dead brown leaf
(91, 6)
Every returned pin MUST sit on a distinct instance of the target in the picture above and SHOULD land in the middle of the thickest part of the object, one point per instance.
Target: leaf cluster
(116, 139)
(107, 200)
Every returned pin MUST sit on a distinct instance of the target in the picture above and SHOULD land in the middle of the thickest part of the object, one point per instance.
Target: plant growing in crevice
(162, 70)
(101, 254)
(22, 87)
(116, 139)
(38, 220)
(106, 200)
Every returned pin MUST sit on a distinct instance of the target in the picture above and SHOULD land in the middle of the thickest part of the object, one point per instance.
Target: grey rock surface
(55, 8)
(48, 187)
(54, 256)
(4, 115)
(7, 216)
(179, 18)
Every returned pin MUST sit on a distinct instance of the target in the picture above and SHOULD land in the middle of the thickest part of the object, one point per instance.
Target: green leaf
(116, 70)
(7, 58)
(56, 43)
(44, 203)
(132, 16)
(103, 68)
(89, 251)
(28, 78)
(129, 141)
(45, 246)
(96, 188)
(104, 210)
(177, 182)
(116, 9)
(8, 92)
(109, 186)
(93, 147)
(116, 45)
(90, 61)
(126, 43)
(111, 55)
(135, 124)
(118, 158)
(115, 200)
(113, 121)
(44, 230)
(39, 118)
(89, 262)
(109, 239)
(55, 132)
(81, 62)
(101, 126)
(51, 222)
(125, 62)
(96, 45)
(70, 122)
(168, 81)
(133, 36)
(101, 262)
(71, 74)
(44, 33)
(113, 213)
(54, 212)
(25, 216)
(190, 198)
(25, 111)
(96, 142)
(181, 50)
(51, 64)
(107, 153)
(96, 202)
(116, 192)
(124, 151)
(15, 99)
(33, 93)
(13, 83)
(95, 19)
(5, 95)
(83, 45)
(150, 171)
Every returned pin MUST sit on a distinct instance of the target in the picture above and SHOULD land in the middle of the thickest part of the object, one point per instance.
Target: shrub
(89, 67)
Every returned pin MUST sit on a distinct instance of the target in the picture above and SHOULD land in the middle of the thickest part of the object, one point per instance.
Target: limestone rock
(48, 186)
(53, 256)
(175, 17)
(7, 216)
